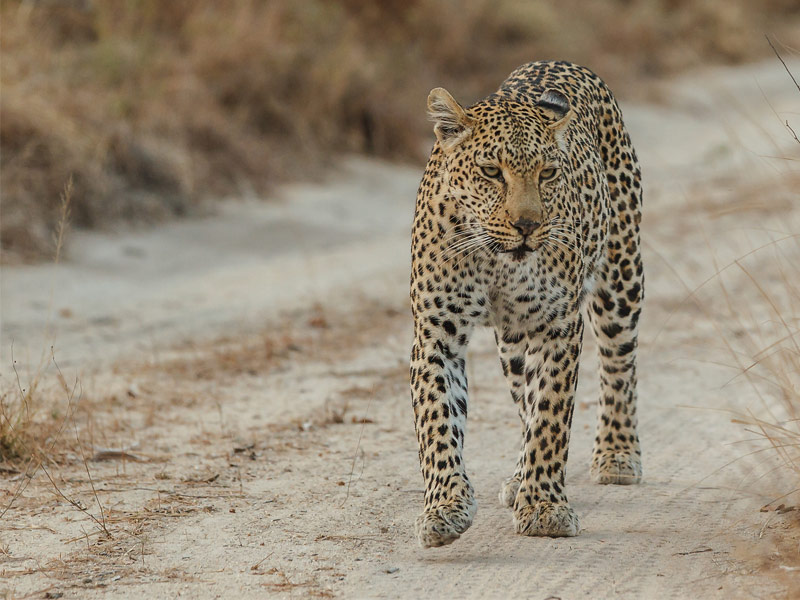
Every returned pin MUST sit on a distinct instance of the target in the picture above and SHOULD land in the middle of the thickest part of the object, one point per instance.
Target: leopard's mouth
(518, 252)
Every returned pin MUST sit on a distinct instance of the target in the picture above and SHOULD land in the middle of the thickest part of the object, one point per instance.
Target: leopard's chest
(527, 292)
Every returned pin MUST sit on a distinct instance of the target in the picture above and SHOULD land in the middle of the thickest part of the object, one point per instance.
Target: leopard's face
(506, 169)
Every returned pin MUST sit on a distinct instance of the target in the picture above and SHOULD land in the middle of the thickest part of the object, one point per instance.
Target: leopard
(527, 221)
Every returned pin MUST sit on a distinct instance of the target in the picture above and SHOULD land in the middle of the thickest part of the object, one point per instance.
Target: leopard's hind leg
(614, 309)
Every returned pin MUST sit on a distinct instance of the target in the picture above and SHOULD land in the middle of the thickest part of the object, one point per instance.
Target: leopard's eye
(547, 174)
(492, 172)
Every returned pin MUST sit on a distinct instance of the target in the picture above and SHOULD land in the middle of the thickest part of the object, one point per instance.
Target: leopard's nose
(525, 226)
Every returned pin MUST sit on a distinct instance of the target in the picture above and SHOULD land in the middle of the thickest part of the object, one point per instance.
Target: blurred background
(156, 109)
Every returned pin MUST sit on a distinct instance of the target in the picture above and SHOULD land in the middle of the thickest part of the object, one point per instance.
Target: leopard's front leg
(439, 395)
(512, 345)
(551, 374)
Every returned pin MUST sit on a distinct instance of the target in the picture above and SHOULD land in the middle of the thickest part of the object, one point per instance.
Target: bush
(154, 106)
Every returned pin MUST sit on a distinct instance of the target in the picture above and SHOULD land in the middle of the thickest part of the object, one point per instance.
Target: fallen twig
(701, 551)
(113, 454)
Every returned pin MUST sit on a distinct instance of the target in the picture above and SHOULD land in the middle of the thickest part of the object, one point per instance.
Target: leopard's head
(505, 165)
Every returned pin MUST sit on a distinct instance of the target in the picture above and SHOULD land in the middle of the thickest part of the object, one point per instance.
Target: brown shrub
(152, 106)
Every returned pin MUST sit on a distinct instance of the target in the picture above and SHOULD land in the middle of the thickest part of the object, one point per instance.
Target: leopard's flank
(527, 217)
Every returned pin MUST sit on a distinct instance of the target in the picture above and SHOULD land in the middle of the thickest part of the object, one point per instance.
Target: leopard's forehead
(508, 131)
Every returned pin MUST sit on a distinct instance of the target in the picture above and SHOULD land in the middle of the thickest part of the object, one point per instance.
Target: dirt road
(253, 367)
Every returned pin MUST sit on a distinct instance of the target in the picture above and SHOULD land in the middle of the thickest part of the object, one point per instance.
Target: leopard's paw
(546, 519)
(621, 468)
(508, 491)
(442, 525)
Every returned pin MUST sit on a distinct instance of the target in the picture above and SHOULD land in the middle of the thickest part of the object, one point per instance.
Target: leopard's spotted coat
(527, 215)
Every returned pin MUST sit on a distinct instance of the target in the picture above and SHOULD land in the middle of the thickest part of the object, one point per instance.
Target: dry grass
(34, 425)
(753, 303)
(29, 419)
(766, 349)
(768, 353)
(760, 328)
(154, 106)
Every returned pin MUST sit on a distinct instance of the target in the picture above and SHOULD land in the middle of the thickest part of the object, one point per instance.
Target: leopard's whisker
(549, 245)
(565, 243)
(466, 256)
(466, 230)
(564, 234)
(459, 234)
(461, 228)
(560, 244)
(563, 229)
(574, 239)
(571, 240)
(459, 244)
(481, 243)
(465, 245)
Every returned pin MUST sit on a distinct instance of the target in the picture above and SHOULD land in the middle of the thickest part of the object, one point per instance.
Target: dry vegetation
(753, 303)
(154, 106)
(767, 351)
(760, 331)
(29, 425)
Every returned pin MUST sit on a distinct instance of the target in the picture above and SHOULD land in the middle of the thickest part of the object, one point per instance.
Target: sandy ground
(254, 367)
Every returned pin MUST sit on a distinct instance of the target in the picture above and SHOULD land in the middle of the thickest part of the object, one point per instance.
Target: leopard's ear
(555, 108)
(451, 123)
